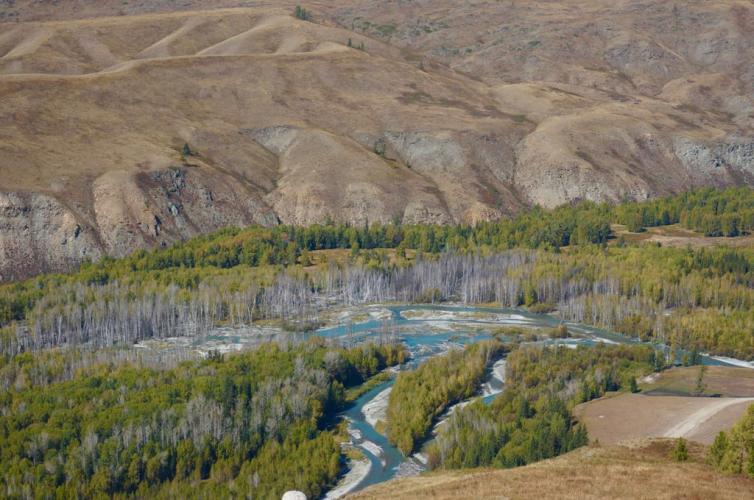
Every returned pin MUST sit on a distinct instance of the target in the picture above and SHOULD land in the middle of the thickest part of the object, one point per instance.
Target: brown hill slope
(288, 123)
(637, 470)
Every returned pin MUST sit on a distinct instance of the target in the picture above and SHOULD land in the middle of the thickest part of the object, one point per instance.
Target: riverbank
(357, 471)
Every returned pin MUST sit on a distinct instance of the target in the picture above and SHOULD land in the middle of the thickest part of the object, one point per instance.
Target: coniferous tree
(680, 451)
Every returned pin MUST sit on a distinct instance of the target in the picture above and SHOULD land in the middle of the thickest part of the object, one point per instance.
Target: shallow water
(427, 330)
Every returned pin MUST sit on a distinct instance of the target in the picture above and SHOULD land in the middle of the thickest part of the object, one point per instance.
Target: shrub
(680, 452)
(302, 13)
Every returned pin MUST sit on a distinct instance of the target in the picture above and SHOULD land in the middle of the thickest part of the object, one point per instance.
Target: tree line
(709, 211)
(690, 299)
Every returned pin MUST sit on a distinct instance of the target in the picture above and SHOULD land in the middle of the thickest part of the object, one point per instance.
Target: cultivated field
(631, 416)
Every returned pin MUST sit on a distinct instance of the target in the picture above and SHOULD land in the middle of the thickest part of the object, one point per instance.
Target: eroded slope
(392, 118)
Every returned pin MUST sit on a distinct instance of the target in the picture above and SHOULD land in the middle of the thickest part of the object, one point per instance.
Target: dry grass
(632, 416)
(637, 470)
(718, 380)
(282, 115)
(677, 236)
(286, 117)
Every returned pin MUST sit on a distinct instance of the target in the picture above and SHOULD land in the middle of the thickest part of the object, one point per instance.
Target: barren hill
(423, 111)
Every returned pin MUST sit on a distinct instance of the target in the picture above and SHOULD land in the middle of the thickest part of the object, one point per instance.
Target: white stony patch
(376, 409)
(498, 370)
(498, 376)
(381, 314)
(421, 457)
(735, 362)
(372, 448)
(443, 419)
(603, 340)
(357, 471)
(410, 467)
(354, 433)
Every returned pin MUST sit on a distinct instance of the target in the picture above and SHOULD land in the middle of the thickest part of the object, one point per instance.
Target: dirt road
(688, 426)
(631, 416)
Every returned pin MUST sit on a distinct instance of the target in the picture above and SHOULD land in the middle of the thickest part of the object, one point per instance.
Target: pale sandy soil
(631, 416)
(376, 409)
(358, 470)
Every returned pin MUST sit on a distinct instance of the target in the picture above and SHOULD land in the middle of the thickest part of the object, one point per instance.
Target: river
(428, 331)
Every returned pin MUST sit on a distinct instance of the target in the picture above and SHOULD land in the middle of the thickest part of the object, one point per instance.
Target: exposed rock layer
(425, 111)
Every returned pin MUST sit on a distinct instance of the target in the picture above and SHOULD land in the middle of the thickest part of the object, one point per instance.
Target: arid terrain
(667, 407)
(640, 469)
(632, 416)
(423, 111)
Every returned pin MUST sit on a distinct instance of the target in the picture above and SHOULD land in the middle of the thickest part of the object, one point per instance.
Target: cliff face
(39, 234)
(426, 112)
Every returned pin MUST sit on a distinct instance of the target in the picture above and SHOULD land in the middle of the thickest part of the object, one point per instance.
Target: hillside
(371, 112)
(590, 472)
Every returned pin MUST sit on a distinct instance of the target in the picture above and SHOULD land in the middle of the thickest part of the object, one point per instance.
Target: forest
(708, 211)
(252, 424)
(83, 413)
(532, 419)
(692, 298)
(420, 396)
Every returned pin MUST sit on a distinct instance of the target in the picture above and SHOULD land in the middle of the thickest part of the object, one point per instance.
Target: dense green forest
(248, 425)
(532, 420)
(419, 396)
(708, 211)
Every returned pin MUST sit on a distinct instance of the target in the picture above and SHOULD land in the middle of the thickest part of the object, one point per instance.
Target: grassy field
(641, 469)
(718, 381)
(631, 416)
(669, 406)
(676, 236)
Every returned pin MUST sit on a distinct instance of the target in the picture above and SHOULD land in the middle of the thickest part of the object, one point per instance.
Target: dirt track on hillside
(632, 416)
